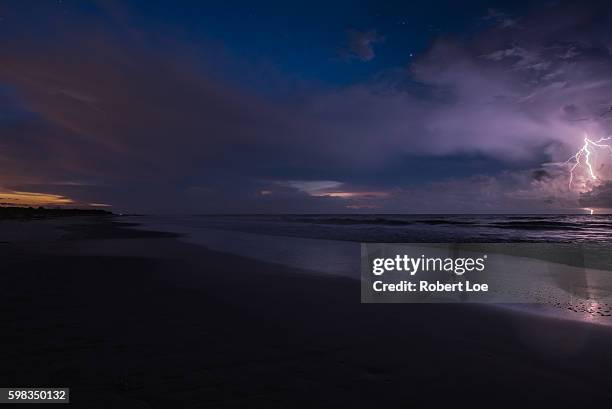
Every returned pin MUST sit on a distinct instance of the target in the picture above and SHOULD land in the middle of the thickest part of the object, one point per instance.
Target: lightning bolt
(583, 156)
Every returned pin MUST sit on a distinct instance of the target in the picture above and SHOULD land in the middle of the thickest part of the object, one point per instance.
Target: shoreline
(210, 238)
(567, 257)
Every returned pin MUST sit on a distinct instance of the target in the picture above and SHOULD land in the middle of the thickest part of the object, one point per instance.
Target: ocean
(419, 228)
(330, 243)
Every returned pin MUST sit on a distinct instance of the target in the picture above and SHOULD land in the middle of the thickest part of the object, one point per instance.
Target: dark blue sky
(197, 106)
(306, 39)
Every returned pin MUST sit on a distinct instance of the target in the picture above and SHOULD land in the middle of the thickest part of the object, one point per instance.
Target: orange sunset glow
(16, 198)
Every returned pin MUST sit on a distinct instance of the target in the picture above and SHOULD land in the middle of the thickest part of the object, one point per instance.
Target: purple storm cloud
(160, 130)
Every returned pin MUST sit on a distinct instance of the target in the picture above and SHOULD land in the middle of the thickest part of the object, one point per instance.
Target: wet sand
(136, 319)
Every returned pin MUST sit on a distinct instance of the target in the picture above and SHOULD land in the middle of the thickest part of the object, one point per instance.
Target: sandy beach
(136, 319)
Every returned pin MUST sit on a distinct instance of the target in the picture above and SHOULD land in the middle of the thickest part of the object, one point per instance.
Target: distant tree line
(13, 212)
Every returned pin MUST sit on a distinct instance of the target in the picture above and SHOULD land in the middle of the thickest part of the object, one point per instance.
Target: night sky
(297, 107)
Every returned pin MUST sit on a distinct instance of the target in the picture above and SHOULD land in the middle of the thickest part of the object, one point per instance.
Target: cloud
(351, 197)
(361, 43)
(311, 187)
(114, 112)
(500, 18)
(599, 197)
(143, 125)
(13, 198)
